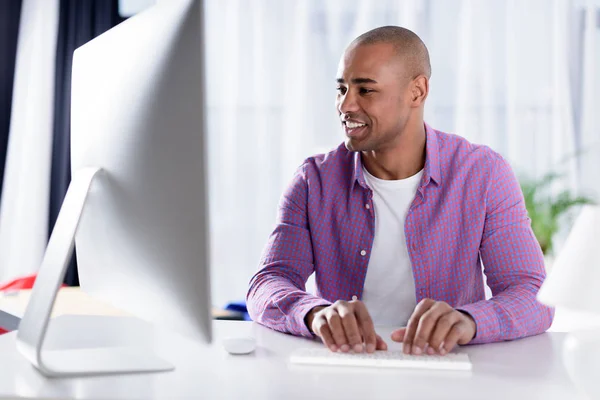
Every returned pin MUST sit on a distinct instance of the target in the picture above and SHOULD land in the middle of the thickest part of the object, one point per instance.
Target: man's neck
(400, 161)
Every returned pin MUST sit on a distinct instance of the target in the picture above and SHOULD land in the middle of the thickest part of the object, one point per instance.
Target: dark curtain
(79, 22)
(10, 15)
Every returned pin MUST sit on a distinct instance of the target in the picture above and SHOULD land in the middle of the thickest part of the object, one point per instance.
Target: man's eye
(365, 90)
(341, 89)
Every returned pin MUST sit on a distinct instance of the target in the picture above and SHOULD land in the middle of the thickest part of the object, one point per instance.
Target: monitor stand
(34, 324)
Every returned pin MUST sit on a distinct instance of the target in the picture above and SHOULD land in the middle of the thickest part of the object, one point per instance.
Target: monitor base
(99, 361)
(34, 324)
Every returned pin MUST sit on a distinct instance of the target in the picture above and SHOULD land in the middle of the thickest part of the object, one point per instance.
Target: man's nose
(347, 103)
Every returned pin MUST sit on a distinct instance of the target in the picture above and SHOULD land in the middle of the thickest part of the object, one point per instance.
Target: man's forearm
(274, 301)
(512, 314)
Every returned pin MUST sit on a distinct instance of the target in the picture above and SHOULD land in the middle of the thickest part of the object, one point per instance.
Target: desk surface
(74, 301)
(528, 368)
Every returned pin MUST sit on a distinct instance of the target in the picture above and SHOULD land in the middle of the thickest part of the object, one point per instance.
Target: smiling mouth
(354, 129)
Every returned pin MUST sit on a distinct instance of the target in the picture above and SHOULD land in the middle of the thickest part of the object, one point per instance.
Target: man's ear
(419, 90)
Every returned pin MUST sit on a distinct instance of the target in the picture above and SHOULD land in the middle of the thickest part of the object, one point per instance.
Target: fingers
(456, 335)
(428, 325)
(435, 327)
(381, 345)
(347, 326)
(350, 327)
(462, 329)
(413, 323)
(322, 330)
(366, 324)
(438, 338)
(337, 330)
(398, 334)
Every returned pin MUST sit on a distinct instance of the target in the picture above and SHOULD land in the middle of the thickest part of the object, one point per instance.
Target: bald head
(409, 47)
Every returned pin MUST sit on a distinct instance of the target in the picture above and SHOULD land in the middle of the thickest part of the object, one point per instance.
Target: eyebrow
(357, 81)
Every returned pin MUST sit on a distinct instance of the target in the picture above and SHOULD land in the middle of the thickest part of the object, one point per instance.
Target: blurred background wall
(518, 75)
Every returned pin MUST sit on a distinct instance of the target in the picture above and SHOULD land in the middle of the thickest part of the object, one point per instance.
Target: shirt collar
(432, 167)
(431, 170)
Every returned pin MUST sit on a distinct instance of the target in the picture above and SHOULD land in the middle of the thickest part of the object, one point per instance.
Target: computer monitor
(137, 205)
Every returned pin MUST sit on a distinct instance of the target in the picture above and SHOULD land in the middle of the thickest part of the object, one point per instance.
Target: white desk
(530, 368)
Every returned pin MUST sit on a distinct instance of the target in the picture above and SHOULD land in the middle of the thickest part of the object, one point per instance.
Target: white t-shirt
(389, 291)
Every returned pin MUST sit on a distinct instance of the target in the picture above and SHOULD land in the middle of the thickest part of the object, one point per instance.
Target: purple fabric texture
(468, 210)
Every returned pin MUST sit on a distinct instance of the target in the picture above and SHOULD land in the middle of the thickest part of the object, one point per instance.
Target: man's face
(373, 97)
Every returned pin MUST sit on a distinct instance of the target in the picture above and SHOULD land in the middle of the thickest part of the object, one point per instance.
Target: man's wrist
(310, 316)
(471, 320)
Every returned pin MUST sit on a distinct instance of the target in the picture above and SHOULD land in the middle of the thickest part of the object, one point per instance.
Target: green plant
(545, 209)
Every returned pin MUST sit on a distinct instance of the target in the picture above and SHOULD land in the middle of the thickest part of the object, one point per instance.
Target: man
(396, 222)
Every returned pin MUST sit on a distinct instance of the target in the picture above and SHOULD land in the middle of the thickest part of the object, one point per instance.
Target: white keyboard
(382, 359)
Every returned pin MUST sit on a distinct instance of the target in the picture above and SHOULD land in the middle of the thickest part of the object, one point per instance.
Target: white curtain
(589, 98)
(517, 75)
(24, 207)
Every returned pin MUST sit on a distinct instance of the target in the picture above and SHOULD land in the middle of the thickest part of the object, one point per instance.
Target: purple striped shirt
(468, 210)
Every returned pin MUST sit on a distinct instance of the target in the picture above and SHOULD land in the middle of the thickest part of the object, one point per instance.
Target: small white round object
(239, 345)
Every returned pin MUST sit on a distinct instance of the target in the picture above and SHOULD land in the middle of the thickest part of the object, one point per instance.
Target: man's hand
(437, 325)
(345, 325)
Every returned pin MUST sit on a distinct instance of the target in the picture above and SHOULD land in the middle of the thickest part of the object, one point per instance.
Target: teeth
(353, 125)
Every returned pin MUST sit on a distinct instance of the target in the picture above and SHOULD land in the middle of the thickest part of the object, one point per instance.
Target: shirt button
(363, 252)
(367, 206)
